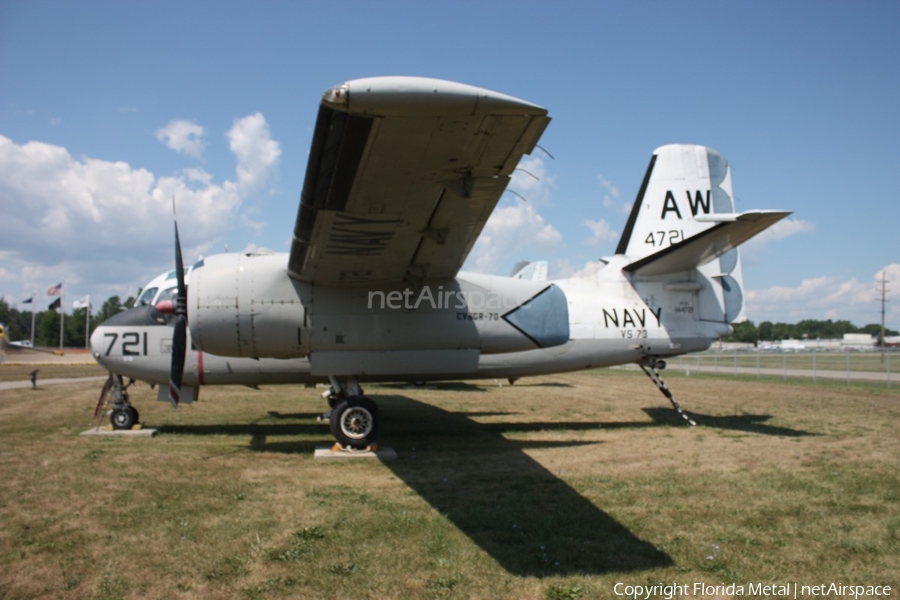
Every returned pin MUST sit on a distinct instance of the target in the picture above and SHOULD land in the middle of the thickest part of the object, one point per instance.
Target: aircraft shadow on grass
(745, 423)
(525, 517)
(660, 417)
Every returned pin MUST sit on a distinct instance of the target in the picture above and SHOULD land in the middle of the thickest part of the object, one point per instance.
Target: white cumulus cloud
(183, 136)
(108, 222)
(601, 232)
(824, 298)
(612, 197)
(783, 229)
(512, 233)
(256, 151)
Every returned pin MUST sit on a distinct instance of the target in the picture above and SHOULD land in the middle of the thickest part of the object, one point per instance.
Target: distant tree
(745, 332)
(18, 324)
(112, 306)
(782, 331)
(4, 311)
(809, 328)
(874, 329)
(75, 333)
(46, 328)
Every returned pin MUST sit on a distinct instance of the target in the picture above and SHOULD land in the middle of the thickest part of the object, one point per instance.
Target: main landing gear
(123, 414)
(652, 367)
(354, 418)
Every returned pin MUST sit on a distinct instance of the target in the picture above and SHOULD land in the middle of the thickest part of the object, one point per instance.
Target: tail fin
(683, 187)
(684, 219)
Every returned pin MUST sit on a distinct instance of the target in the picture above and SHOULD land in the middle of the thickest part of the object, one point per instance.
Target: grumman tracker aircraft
(402, 175)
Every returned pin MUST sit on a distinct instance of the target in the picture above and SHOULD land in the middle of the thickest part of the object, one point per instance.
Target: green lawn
(556, 487)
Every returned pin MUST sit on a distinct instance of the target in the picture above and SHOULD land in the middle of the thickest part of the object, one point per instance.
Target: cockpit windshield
(167, 294)
(147, 296)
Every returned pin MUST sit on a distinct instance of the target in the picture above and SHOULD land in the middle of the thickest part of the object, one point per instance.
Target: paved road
(14, 385)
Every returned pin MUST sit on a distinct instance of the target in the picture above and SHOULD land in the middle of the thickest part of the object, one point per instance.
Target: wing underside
(402, 175)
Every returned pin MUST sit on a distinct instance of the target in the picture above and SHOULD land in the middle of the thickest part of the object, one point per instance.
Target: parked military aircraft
(402, 175)
(8, 347)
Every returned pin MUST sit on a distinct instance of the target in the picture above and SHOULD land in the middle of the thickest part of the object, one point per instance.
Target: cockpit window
(174, 274)
(147, 296)
(168, 294)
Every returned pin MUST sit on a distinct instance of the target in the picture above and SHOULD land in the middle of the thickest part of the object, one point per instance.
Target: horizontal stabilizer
(730, 231)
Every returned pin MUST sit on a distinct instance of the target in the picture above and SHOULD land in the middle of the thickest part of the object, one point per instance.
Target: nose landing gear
(123, 414)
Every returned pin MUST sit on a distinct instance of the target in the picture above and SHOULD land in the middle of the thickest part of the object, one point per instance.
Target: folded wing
(402, 175)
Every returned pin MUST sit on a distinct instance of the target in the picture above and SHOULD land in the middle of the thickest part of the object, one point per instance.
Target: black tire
(123, 418)
(354, 422)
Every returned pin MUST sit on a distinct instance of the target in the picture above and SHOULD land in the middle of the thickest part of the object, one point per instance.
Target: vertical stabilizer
(683, 187)
(686, 191)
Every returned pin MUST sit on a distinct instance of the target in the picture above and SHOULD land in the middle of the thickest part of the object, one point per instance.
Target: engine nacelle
(245, 305)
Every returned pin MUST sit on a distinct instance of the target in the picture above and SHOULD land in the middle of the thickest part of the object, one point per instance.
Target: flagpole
(87, 324)
(62, 316)
(32, 318)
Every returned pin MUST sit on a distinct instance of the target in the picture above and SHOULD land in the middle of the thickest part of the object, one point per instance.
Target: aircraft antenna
(517, 194)
(527, 172)
(544, 150)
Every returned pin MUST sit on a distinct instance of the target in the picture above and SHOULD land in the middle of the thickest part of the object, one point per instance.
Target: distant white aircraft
(402, 175)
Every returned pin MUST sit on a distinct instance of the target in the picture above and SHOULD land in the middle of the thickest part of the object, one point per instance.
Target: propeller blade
(179, 337)
(179, 341)
(181, 298)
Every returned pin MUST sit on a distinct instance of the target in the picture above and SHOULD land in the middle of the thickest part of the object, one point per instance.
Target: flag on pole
(83, 303)
(29, 301)
(55, 304)
(55, 290)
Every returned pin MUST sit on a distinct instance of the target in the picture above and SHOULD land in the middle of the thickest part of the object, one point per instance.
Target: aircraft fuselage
(472, 326)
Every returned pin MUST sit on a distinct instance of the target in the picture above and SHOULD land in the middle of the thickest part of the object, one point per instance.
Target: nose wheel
(123, 415)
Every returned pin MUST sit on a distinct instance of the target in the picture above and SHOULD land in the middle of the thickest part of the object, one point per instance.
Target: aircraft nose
(97, 349)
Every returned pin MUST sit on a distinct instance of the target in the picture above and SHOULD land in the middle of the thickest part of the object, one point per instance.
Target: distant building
(892, 341)
(851, 341)
(858, 341)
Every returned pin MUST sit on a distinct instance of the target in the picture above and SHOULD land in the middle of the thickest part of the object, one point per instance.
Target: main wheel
(354, 422)
(123, 418)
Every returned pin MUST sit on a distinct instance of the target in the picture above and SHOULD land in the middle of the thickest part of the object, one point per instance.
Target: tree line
(46, 326)
(807, 329)
(46, 323)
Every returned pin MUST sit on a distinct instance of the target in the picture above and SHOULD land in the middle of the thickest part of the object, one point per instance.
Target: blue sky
(108, 108)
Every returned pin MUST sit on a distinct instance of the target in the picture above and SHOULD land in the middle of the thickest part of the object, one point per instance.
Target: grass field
(555, 488)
